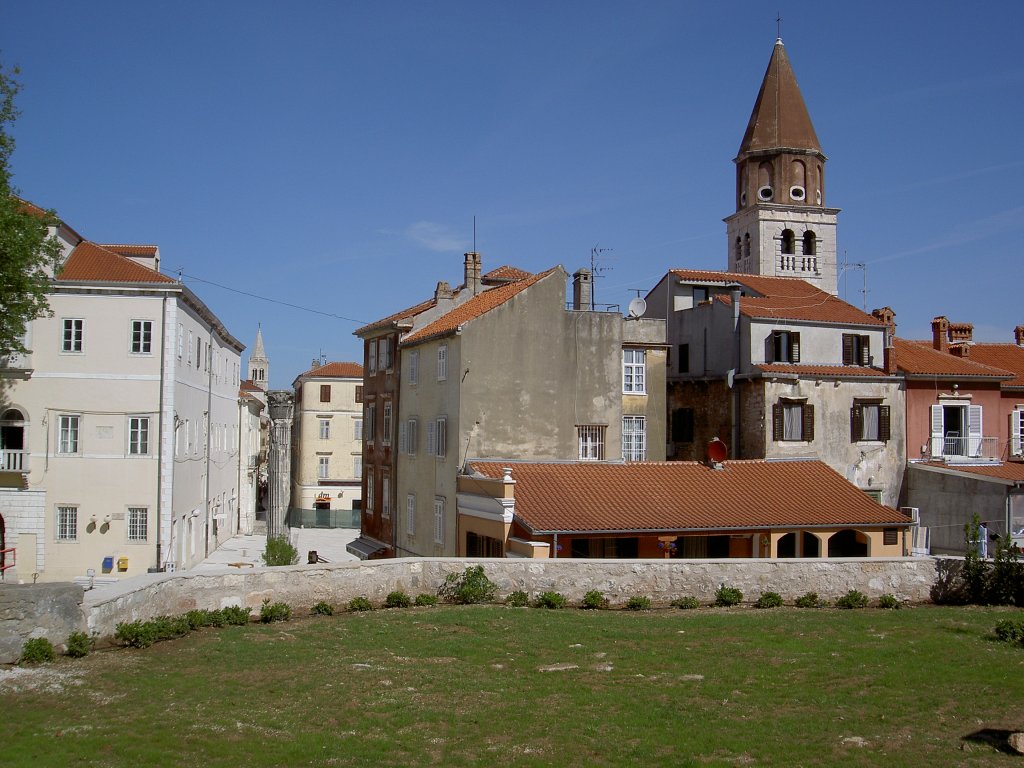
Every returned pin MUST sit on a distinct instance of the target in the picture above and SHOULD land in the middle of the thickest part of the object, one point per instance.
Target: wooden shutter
(808, 422)
(431, 438)
(937, 441)
(865, 350)
(402, 437)
(794, 347)
(974, 430)
(1016, 429)
(856, 419)
(847, 349)
(884, 421)
(778, 423)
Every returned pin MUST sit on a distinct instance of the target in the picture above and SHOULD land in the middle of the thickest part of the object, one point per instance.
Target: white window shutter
(431, 438)
(402, 440)
(1016, 430)
(937, 439)
(974, 429)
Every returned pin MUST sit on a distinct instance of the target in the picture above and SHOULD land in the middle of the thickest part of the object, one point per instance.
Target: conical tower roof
(780, 120)
(258, 352)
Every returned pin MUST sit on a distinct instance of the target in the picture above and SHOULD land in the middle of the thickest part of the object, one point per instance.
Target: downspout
(160, 436)
(554, 547)
(734, 405)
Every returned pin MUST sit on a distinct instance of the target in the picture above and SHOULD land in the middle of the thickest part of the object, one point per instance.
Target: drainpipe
(734, 405)
(160, 428)
(554, 547)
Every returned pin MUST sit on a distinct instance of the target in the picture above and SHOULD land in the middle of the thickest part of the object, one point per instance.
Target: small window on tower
(797, 193)
(765, 193)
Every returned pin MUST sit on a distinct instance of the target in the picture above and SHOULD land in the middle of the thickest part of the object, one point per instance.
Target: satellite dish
(637, 307)
(717, 451)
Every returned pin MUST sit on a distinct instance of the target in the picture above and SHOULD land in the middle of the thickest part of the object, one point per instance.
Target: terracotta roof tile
(677, 495)
(131, 250)
(781, 298)
(92, 262)
(821, 370)
(1009, 470)
(505, 273)
(335, 371)
(247, 385)
(1008, 357)
(473, 308)
(919, 358)
(404, 314)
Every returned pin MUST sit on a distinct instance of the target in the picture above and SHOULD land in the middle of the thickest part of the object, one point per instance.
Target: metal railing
(8, 559)
(953, 448)
(14, 461)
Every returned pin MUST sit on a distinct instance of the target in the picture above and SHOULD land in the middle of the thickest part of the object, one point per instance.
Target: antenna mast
(595, 270)
(845, 267)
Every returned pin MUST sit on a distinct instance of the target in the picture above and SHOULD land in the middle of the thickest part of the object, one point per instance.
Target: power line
(272, 301)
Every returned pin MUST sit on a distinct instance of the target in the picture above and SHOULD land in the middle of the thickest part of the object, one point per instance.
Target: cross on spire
(778, 25)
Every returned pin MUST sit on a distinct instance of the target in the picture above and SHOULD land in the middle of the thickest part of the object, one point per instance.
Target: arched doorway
(811, 545)
(848, 543)
(786, 546)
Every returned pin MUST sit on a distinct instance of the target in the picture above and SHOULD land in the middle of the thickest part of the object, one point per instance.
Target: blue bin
(108, 564)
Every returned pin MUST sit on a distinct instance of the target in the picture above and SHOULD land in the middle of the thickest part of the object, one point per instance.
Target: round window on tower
(765, 193)
(797, 193)
(743, 199)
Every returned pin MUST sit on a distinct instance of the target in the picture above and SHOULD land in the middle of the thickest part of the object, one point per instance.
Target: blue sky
(333, 155)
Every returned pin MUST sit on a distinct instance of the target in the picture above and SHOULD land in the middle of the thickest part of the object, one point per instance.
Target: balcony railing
(953, 448)
(14, 461)
(16, 360)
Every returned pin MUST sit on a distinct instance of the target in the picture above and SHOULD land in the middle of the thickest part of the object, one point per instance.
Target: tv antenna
(845, 267)
(596, 270)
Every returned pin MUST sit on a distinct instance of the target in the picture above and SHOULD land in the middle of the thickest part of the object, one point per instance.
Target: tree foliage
(27, 257)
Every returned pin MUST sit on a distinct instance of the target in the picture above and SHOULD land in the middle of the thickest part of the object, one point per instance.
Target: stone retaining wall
(52, 611)
(302, 586)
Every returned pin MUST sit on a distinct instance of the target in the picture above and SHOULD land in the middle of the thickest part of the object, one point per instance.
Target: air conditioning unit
(170, 567)
(914, 513)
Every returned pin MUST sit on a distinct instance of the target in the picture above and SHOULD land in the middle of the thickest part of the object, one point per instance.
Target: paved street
(329, 544)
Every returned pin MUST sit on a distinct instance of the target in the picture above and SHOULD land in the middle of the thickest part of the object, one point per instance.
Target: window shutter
(1016, 430)
(794, 347)
(431, 438)
(884, 421)
(974, 429)
(865, 350)
(411, 437)
(402, 439)
(856, 418)
(442, 438)
(937, 441)
(847, 349)
(808, 424)
(777, 422)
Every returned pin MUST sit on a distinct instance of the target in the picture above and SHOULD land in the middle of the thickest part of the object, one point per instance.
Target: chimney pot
(940, 334)
(582, 289)
(1018, 335)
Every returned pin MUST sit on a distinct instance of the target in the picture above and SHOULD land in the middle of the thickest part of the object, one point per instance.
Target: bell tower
(781, 227)
(259, 363)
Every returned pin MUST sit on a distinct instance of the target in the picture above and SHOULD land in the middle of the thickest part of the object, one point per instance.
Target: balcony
(954, 449)
(16, 361)
(14, 461)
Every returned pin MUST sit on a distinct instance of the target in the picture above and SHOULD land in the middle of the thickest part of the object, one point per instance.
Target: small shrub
(889, 602)
(638, 603)
(425, 600)
(726, 596)
(135, 634)
(852, 599)
(170, 627)
(323, 608)
(204, 618)
(235, 615)
(37, 650)
(280, 551)
(594, 600)
(552, 600)
(1010, 630)
(686, 603)
(274, 611)
(809, 600)
(360, 604)
(769, 600)
(397, 599)
(469, 587)
(79, 645)
(517, 599)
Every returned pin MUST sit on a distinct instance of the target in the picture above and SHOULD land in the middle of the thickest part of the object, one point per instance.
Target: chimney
(443, 292)
(1018, 335)
(582, 289)
(887, 316)
(960, 350)
(940, 334)
(471, 272)
(961, 332)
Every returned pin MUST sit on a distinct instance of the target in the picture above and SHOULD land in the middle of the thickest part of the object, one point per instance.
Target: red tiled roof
(919, 358)
(335, 371)
(473, 308)
(506, 272)
(1008, 357)
(247, 385)
(684, 495)
(89, 262)
(781, 298)
(821, 370)
(130, 250)
(1012, 471)
(404, 314)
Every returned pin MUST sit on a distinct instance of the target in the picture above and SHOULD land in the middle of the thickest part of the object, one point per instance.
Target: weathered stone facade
(52, 611)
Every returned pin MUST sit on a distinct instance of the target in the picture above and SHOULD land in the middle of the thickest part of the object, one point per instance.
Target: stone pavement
(329, 544)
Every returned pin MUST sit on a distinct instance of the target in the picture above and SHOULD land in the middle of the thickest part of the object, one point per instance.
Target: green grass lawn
(486, 685)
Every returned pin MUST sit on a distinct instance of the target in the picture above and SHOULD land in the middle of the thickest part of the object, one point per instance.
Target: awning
(364, 548)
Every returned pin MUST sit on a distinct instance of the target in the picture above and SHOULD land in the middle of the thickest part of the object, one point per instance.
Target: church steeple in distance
(259, 363)
(781, 226)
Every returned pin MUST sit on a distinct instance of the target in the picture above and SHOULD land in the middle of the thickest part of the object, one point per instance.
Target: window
(371, 356)
(633, 369)
(442, 362)
(325, 393)
(325, 429)
(387, 422)
(890, 536)
(410, 514)
(956, 429)
(357, 466)
(371, 411)
(634, 438)
(788, 241)
(793, 420)
(1017, 432)
(181, 340)
(869, 420)
(138, 523)
(385, 354)
(188, 348)
(142, 337)
(810, 243)
(72, 338)
(369, 490)
(437, 437)
(591, 441)
(199, 354)
(856, 349)
(385, 497)
(67, 434)
(414, 366)
(682, 425)
(411, 436)
(784, 347)
(323, 467)
(357, 429)
(684, 358)
(67, 523)
(439, 520)
(478, 545)
(359, 393)
(138, 435)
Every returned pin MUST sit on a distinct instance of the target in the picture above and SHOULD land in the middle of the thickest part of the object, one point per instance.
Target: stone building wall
(52, 611)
